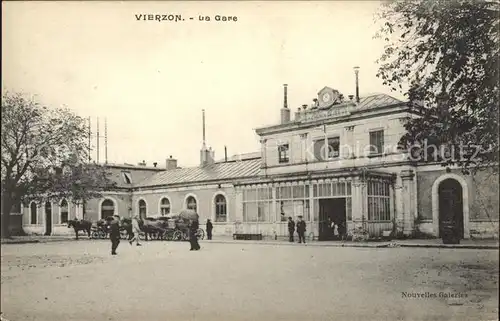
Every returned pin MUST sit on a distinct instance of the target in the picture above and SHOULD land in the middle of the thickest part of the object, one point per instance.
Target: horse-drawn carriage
(173, 227)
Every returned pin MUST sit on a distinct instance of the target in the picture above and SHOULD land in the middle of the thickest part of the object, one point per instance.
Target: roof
(213, 172)
(134, 174)
(376, 101)
(244, 156)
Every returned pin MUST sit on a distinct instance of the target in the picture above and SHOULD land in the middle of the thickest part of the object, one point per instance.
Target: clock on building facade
(328, 97)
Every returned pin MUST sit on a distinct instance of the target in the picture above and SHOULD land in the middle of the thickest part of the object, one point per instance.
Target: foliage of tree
(443, 55)
(45, 156)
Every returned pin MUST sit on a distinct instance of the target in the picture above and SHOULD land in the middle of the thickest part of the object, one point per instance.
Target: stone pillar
(356, 203)
(398, 204)
(263, 153)
(311, 202)
(408, 195)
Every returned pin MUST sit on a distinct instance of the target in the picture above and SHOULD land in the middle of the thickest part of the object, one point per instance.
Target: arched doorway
(107, 208)
(451, 205)
(48, 218)
(143, 209)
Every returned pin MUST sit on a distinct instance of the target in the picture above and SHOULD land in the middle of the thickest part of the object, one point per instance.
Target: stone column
(311, 202)
(408, 202)
(263, 153)
(357, 203)
(398, 204)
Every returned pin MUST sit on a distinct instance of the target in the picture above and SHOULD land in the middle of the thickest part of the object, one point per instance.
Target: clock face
(326, 97)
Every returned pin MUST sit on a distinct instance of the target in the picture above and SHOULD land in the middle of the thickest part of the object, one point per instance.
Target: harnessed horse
(80, 225)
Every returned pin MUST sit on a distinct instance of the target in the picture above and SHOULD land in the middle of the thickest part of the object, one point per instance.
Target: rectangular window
(333, 147)
(378, 201)
(331, 151)
(284, 153)
(292, 201)
(377, 142)
(257, 204)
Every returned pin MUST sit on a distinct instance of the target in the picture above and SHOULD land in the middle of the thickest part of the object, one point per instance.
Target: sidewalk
(423, 243)
(38, 239)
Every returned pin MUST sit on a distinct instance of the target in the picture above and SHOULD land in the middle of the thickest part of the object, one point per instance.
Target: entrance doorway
(48, 218)
(451, 206)
(331, 210)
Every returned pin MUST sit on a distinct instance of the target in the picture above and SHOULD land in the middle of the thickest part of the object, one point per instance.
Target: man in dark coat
(291, 229)
(210, 227)
(114, 232)
(193, 238)
(301, 230)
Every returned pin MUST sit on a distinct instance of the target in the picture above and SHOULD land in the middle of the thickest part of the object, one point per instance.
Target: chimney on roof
(285, 112)
(225, 153)
(171, 163)
(356, 72)
(155, 164)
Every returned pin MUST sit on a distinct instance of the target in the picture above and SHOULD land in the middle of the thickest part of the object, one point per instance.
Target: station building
(337, 158)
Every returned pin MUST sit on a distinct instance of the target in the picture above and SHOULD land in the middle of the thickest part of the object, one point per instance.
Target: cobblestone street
(164, 281)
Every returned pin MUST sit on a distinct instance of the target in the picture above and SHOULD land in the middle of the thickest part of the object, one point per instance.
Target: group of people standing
(114, 225)
(338, 230)
(300, 226)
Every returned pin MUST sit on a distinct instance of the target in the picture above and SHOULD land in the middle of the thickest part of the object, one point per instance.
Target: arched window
(33, 213)
(220, 208)
(107, 208)
(191, 203)
(143, 209)
(165, 206)
(64, 211)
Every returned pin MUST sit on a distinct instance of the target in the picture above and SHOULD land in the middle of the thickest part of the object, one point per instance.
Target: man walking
(193, 238)
(291, 229)
(301, 230)
(209, 229)
(114, 232)
(135, 231)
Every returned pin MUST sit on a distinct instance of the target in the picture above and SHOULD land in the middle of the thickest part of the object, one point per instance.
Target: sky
(151, 79)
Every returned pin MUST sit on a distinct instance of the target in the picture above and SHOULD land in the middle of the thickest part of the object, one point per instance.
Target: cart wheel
(142, 236)
(95, 235)
(123, 235)
(102, 235)
(177, 236)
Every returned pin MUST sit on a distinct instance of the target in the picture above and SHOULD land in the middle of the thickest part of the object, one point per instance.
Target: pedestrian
(335, 231)
(301, 230)
(114, 232)
(136, 230)
(193, 238)
(331, 225)
(210, 227)
(291, 229)
(342, 231)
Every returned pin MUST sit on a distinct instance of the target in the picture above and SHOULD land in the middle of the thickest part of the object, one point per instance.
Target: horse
(80, 225)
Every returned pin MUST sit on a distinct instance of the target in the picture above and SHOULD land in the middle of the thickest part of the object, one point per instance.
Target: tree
(44, 156)
(443, 55)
